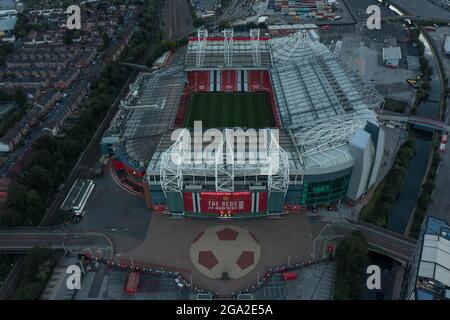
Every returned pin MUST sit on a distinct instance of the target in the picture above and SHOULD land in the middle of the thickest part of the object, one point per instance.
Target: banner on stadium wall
(225, 202)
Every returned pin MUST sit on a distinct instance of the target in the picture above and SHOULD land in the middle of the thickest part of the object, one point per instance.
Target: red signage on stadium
(225, 202)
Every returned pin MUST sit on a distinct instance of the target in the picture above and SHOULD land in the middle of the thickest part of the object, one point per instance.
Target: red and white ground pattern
(225, 249)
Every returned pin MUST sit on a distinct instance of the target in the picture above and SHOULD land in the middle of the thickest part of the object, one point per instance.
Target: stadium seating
(198, 81)
(259, 80)
(229, 81)
(184, 102)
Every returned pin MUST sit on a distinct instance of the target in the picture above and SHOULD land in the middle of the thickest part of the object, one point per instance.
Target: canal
(403, 208)
(429, 107)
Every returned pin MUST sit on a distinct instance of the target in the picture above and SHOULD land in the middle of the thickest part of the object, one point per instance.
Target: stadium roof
(174, 161)
(319, 99)
(146, 113)
(322, 104)
(228, 50)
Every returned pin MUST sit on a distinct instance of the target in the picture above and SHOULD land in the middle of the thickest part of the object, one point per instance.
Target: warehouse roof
(392, 53)
(7, 23)
(433, 272)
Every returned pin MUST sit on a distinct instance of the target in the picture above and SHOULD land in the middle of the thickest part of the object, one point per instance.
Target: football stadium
(319, 141)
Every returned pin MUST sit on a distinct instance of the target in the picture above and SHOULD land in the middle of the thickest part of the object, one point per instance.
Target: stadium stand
(229, 81)
(199, 81)
(184, 102)
(259, 80)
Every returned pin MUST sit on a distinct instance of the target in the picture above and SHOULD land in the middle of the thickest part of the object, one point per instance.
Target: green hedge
(395, 105)
(378, 210)
(425, 197)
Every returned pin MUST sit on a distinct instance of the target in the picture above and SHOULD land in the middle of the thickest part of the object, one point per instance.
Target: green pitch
(226, 110)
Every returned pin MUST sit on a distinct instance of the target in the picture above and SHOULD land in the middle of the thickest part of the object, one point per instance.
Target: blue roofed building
(8, 19)
(428, 274)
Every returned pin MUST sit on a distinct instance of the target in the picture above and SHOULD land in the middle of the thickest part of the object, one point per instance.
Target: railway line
(178, 19)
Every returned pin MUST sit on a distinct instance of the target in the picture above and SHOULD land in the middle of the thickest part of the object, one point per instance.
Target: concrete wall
(362, 150)
(378, 157)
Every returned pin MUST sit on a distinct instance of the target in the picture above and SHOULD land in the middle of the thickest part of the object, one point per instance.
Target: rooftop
(146, 113)
(392, 53)
(7, 23)
(228, 50)
(293, 27)
(320, 101)
(76, 194)
(433, 275)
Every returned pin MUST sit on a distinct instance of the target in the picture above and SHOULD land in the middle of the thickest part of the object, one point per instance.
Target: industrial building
(427, 276)
(325, 145)
(303, 9)
(8, 19)
(392, 56)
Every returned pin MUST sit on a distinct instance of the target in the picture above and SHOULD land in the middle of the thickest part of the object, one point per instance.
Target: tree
(423, 201)
(17, 197)
(352, 258)
(20, 98)
(45, 142)
(5, 265)
(38, 179)
(33, 260)
(428, 187)
(7, 47)
(28, 291)
(67, 39)
(384, 208)
(198, 22)
(22, 26)
(38, 265)
(35, 206)
(11, 217)
(224, 24)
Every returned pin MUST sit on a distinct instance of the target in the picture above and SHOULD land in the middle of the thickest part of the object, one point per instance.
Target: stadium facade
(325, 145)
